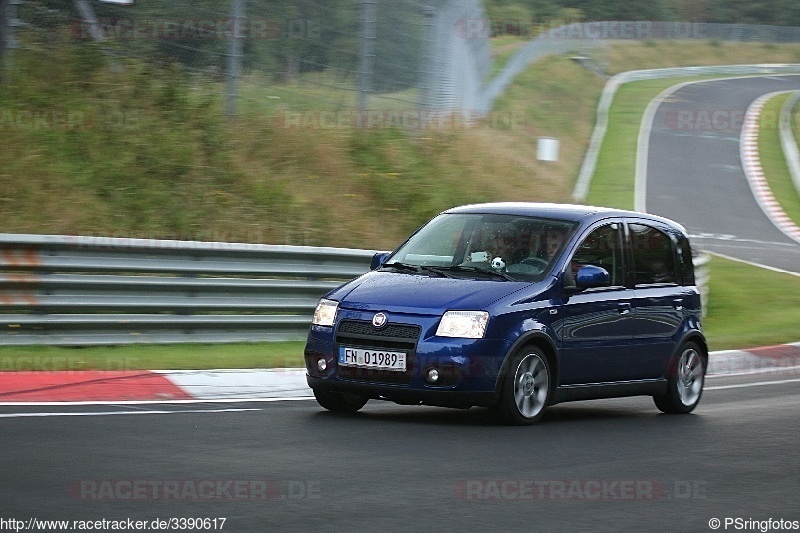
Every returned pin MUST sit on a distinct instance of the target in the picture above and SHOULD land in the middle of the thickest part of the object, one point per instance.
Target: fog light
(322, 364)
(433, 375)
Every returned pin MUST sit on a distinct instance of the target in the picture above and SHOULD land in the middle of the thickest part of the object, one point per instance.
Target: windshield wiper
(416, 268)
(436, 270)
(401, 266)
(462, 268)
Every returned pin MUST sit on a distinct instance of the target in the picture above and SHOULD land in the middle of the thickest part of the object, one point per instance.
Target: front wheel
(685, 381)
(526, 388)
(340, 402)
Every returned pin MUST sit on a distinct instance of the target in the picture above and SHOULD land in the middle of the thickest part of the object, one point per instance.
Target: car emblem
(379, 320)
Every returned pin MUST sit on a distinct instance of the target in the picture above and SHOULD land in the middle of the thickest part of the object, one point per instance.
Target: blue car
(515, 307)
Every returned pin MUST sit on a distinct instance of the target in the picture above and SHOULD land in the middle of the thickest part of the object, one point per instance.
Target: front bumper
(468, 368)
(406, 396)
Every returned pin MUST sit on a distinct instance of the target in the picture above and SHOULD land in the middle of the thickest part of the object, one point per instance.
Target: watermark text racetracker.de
(196, 29)
(408, 119)
(60, 363)
(751, 524)
(556, 29)
(592, 490)
(718, 119)
(193, 490)
(63, 119)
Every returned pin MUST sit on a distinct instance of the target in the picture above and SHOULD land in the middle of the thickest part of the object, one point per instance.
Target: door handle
(624, 308)
(677, 303)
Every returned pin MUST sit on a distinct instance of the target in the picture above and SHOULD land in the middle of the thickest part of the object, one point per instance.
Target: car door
(597, 323)
(659, 299)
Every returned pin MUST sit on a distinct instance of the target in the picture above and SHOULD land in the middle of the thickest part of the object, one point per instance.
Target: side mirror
(378, 260)
(591, 276)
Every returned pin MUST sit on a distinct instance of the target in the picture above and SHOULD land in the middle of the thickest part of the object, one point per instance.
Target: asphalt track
(694, 170)
(611, 465)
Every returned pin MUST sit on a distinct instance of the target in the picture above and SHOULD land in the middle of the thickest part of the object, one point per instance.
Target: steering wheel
(535, 261)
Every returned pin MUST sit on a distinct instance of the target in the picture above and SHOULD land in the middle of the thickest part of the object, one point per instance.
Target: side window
(653, 256)
(601, 248)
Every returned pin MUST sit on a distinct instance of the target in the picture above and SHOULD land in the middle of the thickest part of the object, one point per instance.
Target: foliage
(771, 12)
(283, 38)
(116, 147)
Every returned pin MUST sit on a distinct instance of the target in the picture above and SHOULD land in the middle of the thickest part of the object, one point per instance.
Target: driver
(502, 244)
(542, 248)
(552, 244)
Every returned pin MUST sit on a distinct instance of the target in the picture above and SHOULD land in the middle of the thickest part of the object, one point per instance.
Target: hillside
(96, 146)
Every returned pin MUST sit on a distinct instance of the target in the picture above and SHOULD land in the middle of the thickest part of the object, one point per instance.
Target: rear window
(653, 256)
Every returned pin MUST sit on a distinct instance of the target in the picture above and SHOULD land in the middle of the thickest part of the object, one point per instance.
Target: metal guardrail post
(702, 274)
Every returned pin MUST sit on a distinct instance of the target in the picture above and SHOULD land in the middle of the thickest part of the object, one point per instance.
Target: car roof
(577, 213)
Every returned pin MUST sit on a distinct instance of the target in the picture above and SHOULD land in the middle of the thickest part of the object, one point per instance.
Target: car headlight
(463, 324)
(325, 313)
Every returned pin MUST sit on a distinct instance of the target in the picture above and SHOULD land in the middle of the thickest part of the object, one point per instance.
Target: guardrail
(64, 290)
(702, 275)
(588, 35)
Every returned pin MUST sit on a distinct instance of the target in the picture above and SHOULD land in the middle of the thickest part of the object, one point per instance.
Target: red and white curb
(751, 162)
(765, 360)
(267, 384)
(152, 386)
(235, 384)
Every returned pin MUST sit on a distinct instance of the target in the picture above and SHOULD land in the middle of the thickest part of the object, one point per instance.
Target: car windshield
(485, 245)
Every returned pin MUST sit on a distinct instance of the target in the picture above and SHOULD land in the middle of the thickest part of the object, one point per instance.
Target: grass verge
(153, 357)
(613, 181)
(773, 161)
(731, 322)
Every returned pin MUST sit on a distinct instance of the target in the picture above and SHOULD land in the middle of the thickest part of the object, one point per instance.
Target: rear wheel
(526, 388)
(340, 402)
(685, 383)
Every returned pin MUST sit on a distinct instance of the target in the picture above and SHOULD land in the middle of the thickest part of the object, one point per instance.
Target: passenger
(553, 243)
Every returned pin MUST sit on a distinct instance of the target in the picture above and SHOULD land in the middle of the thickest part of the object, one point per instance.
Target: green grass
(153, 357)
(796, 123)
(773, 161)
(735, 290)
(613, 181)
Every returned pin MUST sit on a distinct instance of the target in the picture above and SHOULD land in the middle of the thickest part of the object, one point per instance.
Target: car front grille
(362, 334)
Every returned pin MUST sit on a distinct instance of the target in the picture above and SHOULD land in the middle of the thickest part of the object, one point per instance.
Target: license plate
(378, 359)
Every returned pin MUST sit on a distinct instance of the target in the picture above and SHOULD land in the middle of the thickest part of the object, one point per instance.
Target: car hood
(413, 293)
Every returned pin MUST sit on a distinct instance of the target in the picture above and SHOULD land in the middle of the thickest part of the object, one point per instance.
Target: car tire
(526, 388)
(686, 376)
(340, 402)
